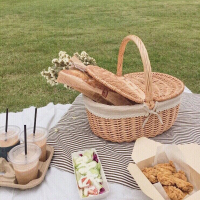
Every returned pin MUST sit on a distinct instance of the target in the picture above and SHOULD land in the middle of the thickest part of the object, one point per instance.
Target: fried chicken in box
(175, 183)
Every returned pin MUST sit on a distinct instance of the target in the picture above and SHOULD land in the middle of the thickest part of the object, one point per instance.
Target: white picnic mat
(57, 184)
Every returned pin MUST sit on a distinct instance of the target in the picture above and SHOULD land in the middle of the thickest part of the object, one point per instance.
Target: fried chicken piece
(165, 179)
(167, 175)
(183, 185)
(170, 180)
(151, 174)
(166, 167)
(181, 175)
(174, 193)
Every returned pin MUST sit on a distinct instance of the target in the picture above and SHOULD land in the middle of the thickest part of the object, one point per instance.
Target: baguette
(93, 89)
(75, 62)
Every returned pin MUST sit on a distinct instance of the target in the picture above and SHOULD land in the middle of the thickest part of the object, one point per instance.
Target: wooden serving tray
(43, 167)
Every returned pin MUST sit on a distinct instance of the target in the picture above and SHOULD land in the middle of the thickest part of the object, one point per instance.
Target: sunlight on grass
(33, 32)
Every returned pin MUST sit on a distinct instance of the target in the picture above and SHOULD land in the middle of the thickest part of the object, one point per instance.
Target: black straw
(25, 140)
(6, 127)
(34, 127)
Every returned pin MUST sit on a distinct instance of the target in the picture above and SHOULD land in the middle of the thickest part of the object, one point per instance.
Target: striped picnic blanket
(73, 133)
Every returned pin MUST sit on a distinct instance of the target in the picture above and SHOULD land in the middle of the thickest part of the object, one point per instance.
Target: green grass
(33, 32)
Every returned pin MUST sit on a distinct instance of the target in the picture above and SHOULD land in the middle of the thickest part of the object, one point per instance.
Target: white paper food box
(143, 155)
(105, 183)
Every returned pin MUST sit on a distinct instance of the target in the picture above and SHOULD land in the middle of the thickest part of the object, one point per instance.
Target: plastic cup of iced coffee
(39, 138)
(25, 166)
(8, 139)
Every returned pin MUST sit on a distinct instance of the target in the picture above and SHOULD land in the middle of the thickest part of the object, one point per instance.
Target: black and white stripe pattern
(73, 133)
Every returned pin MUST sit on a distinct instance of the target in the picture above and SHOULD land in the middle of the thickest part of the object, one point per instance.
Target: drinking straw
(34, 127)
(6, 127)
(25, 140)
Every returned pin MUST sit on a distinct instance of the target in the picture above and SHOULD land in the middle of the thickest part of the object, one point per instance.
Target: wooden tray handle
(146, 65)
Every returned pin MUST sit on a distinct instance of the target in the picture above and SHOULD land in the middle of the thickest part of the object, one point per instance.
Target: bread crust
(84, 83)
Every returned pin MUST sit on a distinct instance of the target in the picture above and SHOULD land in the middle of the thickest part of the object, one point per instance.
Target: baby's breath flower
(55, 60)
(85, 58)
(63, 62)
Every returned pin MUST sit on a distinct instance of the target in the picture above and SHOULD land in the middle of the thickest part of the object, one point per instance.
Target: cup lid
(12, 132)
(40, 134)
(17, 154)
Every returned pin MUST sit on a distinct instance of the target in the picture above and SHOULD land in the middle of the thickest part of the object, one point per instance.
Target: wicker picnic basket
(150, 116)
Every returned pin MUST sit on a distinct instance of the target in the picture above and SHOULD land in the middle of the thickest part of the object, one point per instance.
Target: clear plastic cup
(40, 139)
(25, 166)
(8, 140)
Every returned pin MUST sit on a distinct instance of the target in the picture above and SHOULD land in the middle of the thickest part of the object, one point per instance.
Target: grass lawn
(33, 32)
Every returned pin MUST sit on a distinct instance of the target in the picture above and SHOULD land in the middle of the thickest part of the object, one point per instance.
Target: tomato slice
(93, 191)
(83, 179)
(88, 182)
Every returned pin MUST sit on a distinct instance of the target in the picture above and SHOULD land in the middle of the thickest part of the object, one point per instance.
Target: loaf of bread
(84, 83)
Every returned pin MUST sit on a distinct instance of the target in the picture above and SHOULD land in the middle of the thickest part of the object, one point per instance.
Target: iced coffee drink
(8, 140)
(25, 166)
(39, 138)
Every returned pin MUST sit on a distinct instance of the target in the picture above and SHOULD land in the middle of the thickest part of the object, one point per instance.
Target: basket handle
(146, 65)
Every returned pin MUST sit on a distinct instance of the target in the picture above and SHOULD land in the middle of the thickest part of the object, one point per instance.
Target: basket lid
(119, 84)
(132, 86)
(164, 86)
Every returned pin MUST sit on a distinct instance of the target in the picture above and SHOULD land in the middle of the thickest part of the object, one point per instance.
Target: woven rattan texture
(129, 129)
(118, 84)
(164, 86)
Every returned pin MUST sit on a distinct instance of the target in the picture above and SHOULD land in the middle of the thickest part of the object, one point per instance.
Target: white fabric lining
(121, 112)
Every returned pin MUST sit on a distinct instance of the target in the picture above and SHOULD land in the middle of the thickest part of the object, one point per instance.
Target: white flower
(61, 53)
(66, 60)
(55, 60)
(83, 53)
